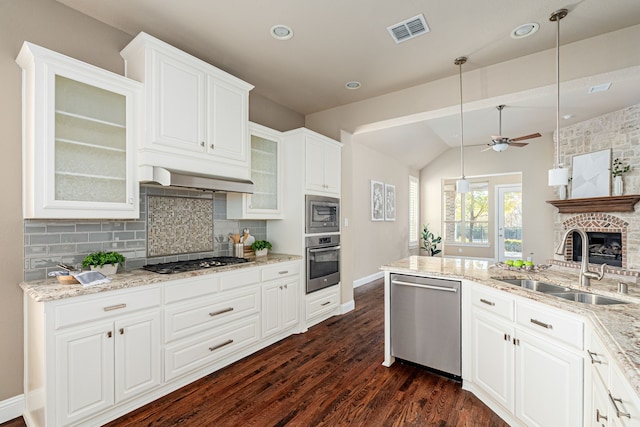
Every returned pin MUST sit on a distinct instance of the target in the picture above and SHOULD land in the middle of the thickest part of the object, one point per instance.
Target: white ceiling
(336, 41)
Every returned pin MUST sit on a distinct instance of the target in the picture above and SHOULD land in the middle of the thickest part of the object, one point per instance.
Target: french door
(509, 226)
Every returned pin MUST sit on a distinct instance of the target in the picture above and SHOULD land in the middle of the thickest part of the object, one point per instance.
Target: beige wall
(533, 161)
(54, 26)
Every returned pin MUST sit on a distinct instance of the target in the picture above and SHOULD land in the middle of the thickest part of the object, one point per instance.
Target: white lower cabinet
(613, 401)
(530, 376)
(90, 359)
(322, 304)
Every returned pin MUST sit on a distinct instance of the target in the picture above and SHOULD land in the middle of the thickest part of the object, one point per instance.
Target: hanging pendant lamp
(558, 176)
(462, 185)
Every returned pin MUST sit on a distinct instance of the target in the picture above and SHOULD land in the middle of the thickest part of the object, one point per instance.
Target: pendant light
(462, 185)
(558, 176)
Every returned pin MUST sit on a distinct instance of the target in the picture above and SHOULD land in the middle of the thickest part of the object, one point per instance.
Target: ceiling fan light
(462, 186)
(500, 147)
(558, 176)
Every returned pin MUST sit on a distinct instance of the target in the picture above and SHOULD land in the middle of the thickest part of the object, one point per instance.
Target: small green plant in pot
(104, 262)
(430, 241)
(261, 247)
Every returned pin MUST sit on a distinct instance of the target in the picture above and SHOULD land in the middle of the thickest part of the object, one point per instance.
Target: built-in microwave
(323, 214)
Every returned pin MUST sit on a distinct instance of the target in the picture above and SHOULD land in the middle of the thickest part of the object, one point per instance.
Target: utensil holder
(238, 250)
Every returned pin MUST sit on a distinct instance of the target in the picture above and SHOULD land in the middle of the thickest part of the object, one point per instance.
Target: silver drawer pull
(539, 323)
(115, 307)
(283, 272)
(215, 347)
(619, 413)
(593, 359)
(224, 310)
(599, 416)
(484, 301)
(325, 303)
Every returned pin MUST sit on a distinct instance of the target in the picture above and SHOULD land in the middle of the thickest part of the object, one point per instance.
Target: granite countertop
(617, 325)
(50, 289)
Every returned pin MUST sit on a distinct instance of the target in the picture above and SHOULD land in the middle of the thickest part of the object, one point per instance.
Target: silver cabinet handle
(599, 416)
(539, 323)
(283, 272)
(619, 413)
(121, 330)
(593, 359)
(417, 285)
(332, 248)
(215, 347)
(201, 143)
(224, 310)
(325, 303)
(114, 307)
(211, 146)
(484, 301)
(109, 334)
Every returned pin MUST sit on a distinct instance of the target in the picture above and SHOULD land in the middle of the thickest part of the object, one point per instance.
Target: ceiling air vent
(408, 29)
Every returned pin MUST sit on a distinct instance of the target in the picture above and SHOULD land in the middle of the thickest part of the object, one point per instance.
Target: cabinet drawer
(193, 287)
(551, 323)
(239, 278)
(625, 399)
(598, 358)
(280, 270)
(497, 303)
(105, 305)
(322, 302)
(181, 320)
(183, 357)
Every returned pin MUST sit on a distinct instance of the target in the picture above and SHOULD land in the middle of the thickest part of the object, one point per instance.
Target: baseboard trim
(347, 307)
(11, 408)
(367, 279)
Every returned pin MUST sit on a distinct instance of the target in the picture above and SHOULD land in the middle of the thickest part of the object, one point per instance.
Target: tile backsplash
(49, 242)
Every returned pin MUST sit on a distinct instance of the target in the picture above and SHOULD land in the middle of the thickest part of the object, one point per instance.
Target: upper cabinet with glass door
(79, 127)
(266, 174)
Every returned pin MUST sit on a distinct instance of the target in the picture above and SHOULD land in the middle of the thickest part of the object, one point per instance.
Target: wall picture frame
(591, 175)
(377, 201)
(389, 202)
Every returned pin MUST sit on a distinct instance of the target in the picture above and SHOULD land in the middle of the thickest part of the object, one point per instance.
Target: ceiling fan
(501, 143)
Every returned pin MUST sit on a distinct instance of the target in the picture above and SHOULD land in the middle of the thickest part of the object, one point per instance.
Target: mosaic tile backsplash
(49, 242)
(179, 225)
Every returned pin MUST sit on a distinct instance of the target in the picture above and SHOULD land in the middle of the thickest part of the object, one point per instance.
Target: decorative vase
(262, 252)
(618, 185)
(107, 269)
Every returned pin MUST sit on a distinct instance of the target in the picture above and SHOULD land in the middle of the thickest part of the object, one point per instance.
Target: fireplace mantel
(597, 204)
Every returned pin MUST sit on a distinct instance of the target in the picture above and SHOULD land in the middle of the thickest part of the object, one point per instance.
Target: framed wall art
(377, 201)
(389, 202)
(591, 174)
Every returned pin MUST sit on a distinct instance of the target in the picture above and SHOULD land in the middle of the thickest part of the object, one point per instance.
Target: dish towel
(90, 278)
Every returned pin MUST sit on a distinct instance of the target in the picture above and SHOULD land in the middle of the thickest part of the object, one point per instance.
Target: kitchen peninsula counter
(50, 289)
(618, 325)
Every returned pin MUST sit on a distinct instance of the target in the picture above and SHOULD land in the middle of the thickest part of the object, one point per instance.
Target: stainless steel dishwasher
(425, 322)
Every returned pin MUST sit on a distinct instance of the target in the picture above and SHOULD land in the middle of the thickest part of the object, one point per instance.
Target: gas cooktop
(195, 264)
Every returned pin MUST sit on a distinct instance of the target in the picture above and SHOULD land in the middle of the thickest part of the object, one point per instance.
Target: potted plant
(430, 241)
(618, 170)
(104, 262)
(261, 247)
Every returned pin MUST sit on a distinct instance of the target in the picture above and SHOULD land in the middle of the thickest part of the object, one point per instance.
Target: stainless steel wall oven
(323, 261)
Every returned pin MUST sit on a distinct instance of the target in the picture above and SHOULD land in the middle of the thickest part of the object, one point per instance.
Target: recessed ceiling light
(353, 85)
(600, 88)
(281, 32)
(525, 30)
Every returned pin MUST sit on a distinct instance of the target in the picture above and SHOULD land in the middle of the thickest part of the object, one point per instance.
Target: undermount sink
(587, 298)
(562, 292)
(534, 285)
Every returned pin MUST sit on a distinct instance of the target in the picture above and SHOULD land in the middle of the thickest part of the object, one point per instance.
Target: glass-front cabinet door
(266, 170)
(80, 126)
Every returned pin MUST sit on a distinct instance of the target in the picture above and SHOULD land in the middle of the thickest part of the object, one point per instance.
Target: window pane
(478, 232)
(453, 232)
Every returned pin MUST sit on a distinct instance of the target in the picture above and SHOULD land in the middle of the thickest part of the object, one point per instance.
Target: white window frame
(414, 212)
(447, 187)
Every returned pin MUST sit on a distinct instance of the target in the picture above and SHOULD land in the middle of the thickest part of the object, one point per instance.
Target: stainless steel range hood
(171, 178)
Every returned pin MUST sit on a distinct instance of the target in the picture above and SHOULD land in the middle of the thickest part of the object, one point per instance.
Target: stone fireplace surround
(597, 223)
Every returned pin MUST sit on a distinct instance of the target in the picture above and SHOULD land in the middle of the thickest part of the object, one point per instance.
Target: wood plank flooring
(329, 376)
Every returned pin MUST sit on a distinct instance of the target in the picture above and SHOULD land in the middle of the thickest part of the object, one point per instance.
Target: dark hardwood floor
(329, 376)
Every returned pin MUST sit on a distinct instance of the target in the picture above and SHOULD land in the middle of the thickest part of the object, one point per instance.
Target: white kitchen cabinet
(526, 360)
(322, 304)
(322, 161)
(266, 174)
(80, 124)
(279, 305)
(196, 114)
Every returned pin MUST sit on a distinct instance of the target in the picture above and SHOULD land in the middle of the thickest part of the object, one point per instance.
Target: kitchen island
(617, 326)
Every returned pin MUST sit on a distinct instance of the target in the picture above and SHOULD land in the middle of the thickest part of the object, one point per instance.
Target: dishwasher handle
(417, 285)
